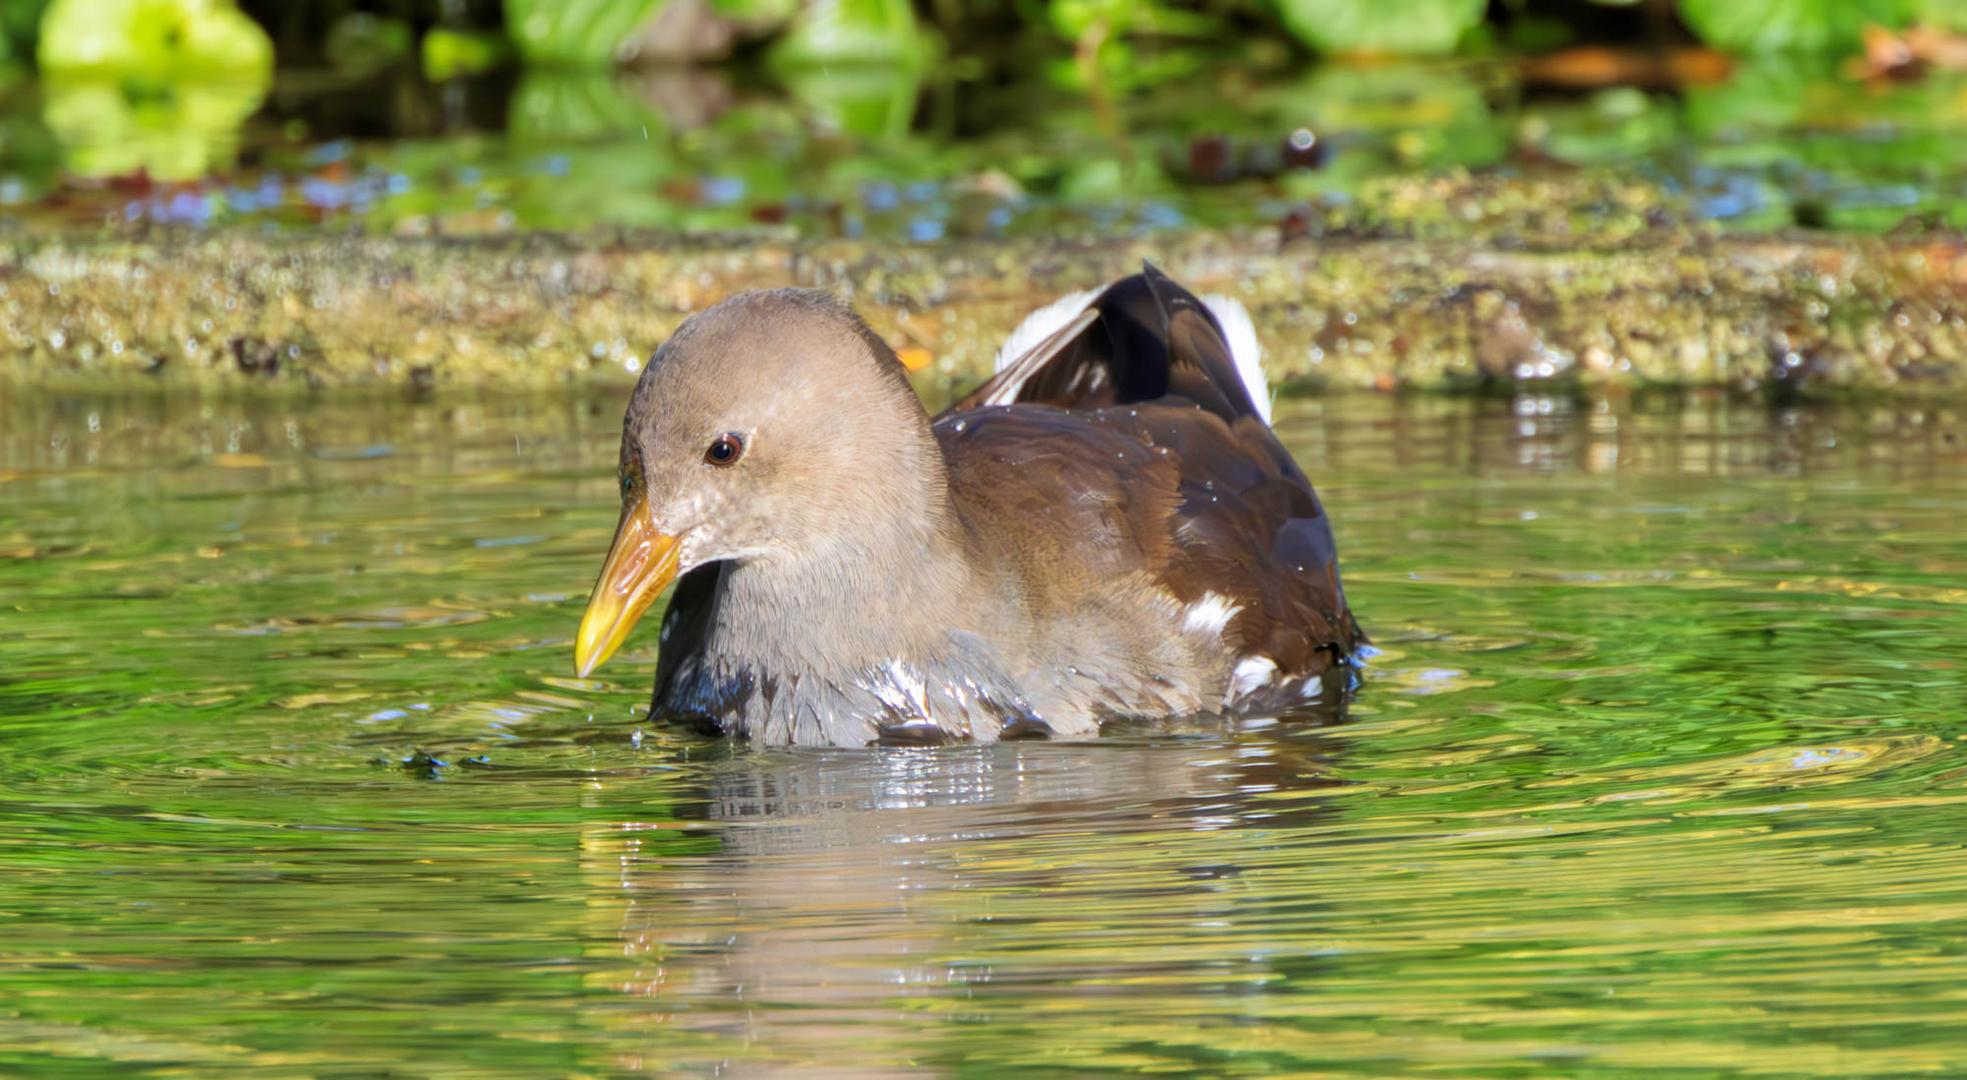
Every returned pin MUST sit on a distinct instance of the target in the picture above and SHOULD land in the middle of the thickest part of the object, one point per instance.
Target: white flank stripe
(1208, 615)
(1251, 674)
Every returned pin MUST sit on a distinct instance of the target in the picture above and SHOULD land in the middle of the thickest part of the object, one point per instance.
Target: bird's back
(1129, 488)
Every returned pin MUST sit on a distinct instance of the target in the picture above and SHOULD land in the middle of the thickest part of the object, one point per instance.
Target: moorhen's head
(773, 427)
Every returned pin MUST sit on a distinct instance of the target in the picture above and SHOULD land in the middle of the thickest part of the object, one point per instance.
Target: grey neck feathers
(869, 588)
(852, 642)
(868, 627)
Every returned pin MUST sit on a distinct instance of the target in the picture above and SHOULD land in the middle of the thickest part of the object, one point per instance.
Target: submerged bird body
(1108, 528)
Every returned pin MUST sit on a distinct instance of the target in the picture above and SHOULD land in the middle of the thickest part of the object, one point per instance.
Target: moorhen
(1107, 528)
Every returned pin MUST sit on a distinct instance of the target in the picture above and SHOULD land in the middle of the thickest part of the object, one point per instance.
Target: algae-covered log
(1679, 307)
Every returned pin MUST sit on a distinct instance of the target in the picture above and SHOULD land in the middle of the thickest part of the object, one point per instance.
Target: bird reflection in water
(853, 907)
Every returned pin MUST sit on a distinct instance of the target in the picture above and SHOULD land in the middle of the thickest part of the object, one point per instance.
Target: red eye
(725, 449)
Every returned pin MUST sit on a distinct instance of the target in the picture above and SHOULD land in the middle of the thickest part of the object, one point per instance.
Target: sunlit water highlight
(1658, 771)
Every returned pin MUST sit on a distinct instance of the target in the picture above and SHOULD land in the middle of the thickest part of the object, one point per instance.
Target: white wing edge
(1244, 348)
(1238, 329)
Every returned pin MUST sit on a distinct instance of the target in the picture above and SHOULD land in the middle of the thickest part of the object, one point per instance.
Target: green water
(1659, 771)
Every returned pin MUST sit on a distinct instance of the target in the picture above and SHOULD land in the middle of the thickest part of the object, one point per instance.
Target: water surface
(1658, 771)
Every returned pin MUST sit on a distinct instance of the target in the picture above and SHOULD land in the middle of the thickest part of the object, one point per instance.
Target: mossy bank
(1797, 313)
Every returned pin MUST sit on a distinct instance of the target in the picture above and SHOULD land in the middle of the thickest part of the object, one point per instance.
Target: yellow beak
(640, 565)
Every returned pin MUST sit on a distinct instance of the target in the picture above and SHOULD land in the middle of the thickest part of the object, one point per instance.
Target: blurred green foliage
(1945, 14)
(575, 31)
(1771, 26)
(152, 86)
(1382, 26)
(182, 133)
(1431, 116)
(857, 63)
(1610, 127)
(855, 31)
(20, 24)
(152, 43)
(1118, 115)
(449, 54)
(155, 38)
(362, 43)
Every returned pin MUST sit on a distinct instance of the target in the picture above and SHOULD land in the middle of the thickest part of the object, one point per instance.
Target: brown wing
(1212, 502)
(1249, 527)
(1144, 338)
(1201, 504)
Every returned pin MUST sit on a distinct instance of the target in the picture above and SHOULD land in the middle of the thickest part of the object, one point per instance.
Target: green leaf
(575, 31)
(857, 64)
(448, 53)
(154, 42)
(1381, 26)
(1764, 26)
(1945, 14)
(875, 31)
(157, 86)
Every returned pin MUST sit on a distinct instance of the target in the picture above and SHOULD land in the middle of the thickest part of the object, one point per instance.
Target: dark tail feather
(1151, 338)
